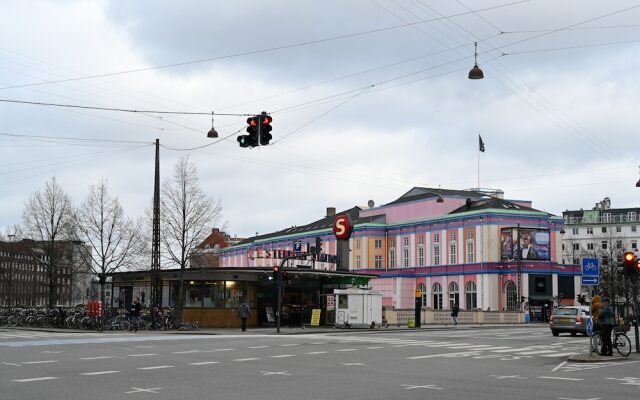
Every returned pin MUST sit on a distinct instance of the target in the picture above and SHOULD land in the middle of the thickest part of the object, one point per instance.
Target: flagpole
(478, 164)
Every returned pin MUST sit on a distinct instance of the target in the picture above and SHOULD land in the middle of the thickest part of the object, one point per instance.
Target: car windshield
(567, 311)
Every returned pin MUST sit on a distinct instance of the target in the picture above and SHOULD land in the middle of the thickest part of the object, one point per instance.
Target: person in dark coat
(607, 321)
(135, 313)
(454, 314)
(244, 312)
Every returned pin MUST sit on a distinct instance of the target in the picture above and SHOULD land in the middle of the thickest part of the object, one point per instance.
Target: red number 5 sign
(342, 228)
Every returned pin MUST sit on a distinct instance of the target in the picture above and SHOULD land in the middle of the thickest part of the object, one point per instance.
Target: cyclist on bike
(135, 314)
(607, 321)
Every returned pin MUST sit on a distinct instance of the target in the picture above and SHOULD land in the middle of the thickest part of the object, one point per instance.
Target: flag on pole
(481, 143)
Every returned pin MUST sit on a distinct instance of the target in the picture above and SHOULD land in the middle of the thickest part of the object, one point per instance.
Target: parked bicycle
(619, 341)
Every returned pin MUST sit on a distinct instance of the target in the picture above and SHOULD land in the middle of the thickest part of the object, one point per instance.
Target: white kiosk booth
(358, 308)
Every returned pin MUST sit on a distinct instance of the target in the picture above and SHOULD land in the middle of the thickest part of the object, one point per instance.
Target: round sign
(342, 227)
(418, 293)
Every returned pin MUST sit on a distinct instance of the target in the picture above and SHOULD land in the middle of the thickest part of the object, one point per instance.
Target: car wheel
(573, 334)
(555, 333)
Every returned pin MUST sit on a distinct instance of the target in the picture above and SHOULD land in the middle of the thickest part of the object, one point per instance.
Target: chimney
(331, 211)
(468, 204)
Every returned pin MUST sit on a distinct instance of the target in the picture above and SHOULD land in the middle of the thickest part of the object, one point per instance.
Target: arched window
(512, 295)
(454, 295)
(437, 296)
(423, 289)
(471, 297)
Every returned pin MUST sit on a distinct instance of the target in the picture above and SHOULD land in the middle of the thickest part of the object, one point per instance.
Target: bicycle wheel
(596, 343)
(623, 344)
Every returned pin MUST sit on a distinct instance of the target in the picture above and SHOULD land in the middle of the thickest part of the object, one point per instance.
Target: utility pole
(156, 284)
(519, 270)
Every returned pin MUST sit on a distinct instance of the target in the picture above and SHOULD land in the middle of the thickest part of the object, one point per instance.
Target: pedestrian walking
(607, 321)
(135, 313)
(454, 314)
(244, 312)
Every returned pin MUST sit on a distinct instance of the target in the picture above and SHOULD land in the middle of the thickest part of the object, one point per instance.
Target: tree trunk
(104, 306)
(181, 296)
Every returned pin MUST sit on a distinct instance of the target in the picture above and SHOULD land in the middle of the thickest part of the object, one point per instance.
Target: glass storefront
(214, 294)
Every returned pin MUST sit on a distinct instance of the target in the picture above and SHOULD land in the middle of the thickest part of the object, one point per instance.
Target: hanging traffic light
(265, 129)
(630, 264)
(252, 129)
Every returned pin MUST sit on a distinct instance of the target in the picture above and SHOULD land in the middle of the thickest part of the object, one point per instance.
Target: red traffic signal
(265, 136)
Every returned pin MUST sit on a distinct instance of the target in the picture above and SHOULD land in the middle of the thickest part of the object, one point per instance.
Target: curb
(596, 358)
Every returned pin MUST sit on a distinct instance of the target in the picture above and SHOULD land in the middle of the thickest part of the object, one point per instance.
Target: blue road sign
(589, 326)
(590, 267)
(297, 247)
(590, 280)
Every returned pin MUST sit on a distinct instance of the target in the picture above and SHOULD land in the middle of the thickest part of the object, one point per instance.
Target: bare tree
(48, 220)
(115, 241)
(187, 215)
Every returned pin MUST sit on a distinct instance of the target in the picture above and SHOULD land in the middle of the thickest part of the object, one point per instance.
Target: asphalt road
(455, 363)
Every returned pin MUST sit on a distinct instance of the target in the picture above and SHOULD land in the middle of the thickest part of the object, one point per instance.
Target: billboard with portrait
(534, 244)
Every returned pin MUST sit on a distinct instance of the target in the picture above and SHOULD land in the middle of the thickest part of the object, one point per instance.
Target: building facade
(25, 278)
(465, 247)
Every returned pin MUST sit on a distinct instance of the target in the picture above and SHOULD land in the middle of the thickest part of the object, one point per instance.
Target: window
(471, 296)
(469, 234)
(590, 230)
(604, 245)
(437, 296)
(357, 243)
(512, 296)
(436, 238)
(634, 244)
(618, 229)
(631, 216)
(405, 253)
(576, 246)
(454, 296)
(589, 246)
(633, 228)
(421, 255)
(574, 231)
(392, 257)
(470, 254)
(420, 239)
(378, 262)
(452, 253)
(358, 262)
(618, 244)
(606, 217)
(604, 229)
(377, 244)
(436, 254)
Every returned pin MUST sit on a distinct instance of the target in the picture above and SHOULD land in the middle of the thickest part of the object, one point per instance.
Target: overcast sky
(369, 98)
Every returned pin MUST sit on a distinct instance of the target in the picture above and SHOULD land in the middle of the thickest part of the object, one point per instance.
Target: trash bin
(411, 323)
(527, 318)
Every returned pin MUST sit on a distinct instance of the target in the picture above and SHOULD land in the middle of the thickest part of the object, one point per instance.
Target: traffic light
(276, 273)
(630, 264)
(265, 129)
(318, 245)
(250, 140)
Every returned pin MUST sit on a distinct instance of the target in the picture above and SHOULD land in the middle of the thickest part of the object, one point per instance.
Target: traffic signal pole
(637, 314)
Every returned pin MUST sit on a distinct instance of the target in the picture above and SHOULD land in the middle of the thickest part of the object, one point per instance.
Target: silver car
(569, 319)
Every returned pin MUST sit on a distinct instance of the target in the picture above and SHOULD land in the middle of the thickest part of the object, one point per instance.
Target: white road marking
(45, 378)
(508, 377)
(560, 354)
(346, 349)
(141, 355)
(40, 362)
(471, 346)
(15, 365)
(560, 378)
(140, 390)
(528, 353)
(559, 366)
(568, 398)
(51, 352)
(513, 350)
(214, 350)
(283, 356)
(375, 347)
(187, 352)
(257, 347)
(409, 387)
(99, 358)
(289, 345)
(275, 373)
(245, 359)
(352, 364)
(460, 354)
(317, 352)
(99, 373)
(157, 367)
(205, 363)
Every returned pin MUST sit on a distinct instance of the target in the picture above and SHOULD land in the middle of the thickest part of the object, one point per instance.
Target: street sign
(589, 326)
(590, 280)
(297, 247)
(590, 267)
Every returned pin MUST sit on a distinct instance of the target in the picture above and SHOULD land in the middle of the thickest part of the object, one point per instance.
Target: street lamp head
(212, 133)
(476, 72)
(638, 183)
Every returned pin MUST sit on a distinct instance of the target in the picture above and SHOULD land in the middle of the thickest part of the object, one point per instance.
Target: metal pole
(519, 270)
(637, 314)
(156, 288)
